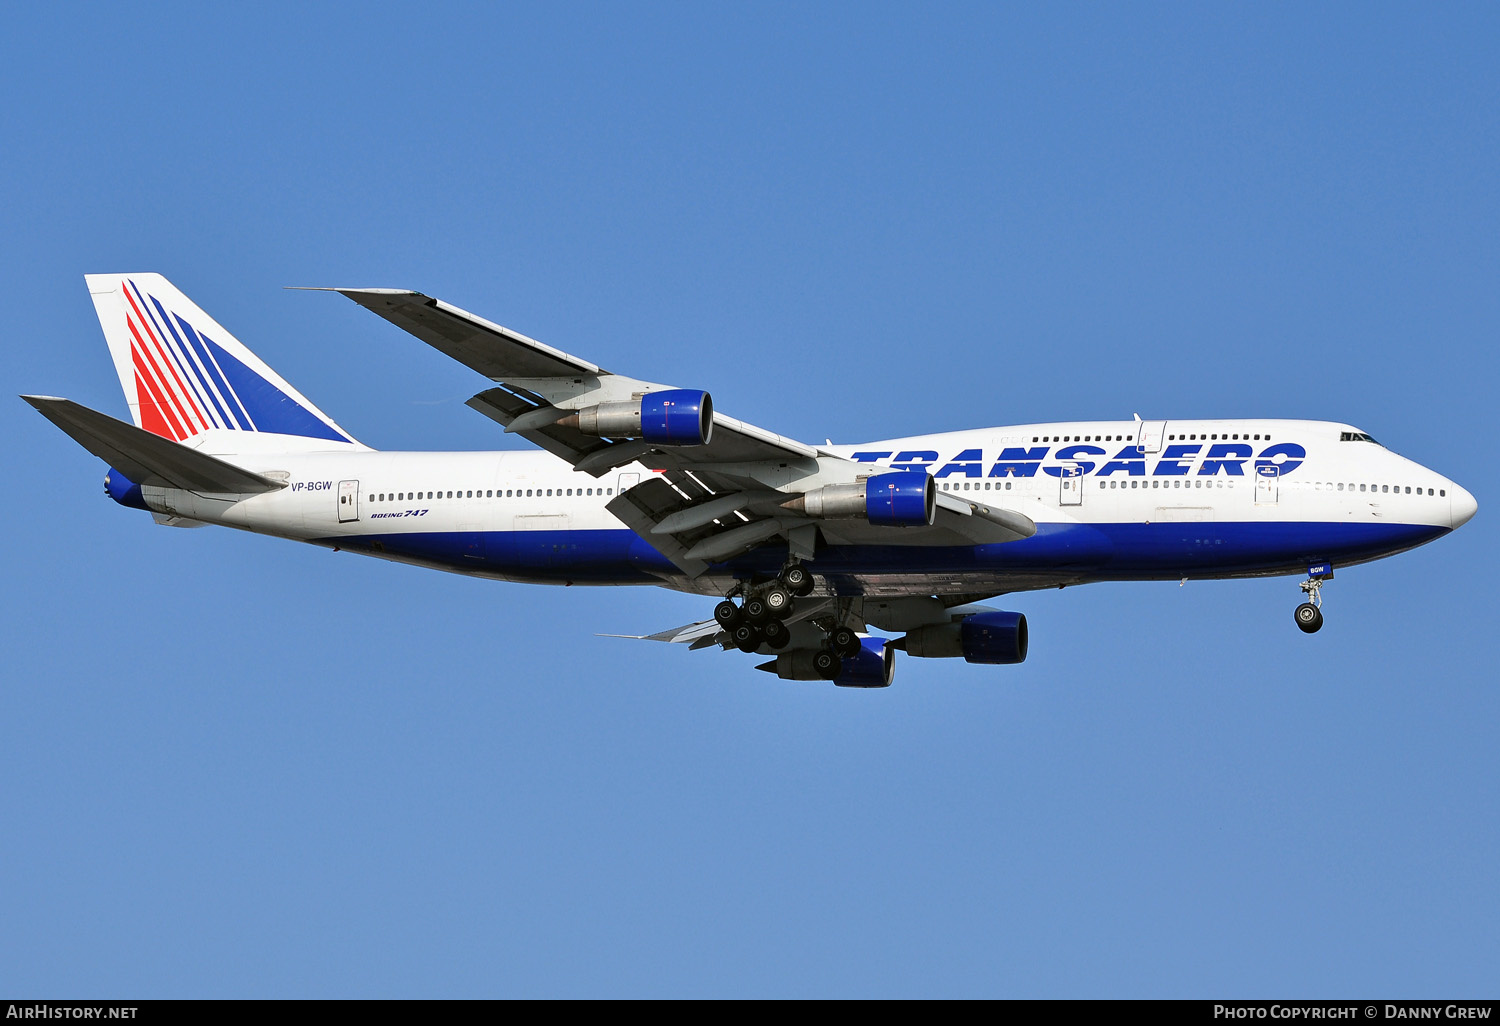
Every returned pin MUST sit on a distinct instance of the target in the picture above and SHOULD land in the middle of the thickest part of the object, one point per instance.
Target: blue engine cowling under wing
(677, 416)
(998, 637)
(906, 498)
(874, 667)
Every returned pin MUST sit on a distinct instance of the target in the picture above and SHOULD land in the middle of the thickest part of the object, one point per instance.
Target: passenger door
(1149, 434)
(348, 501)
(1070, 487)
(1267, 479)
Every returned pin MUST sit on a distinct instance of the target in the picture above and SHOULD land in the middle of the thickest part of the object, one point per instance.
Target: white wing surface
(715, 497)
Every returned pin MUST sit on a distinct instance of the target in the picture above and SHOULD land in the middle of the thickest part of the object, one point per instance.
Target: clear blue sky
(235, 766)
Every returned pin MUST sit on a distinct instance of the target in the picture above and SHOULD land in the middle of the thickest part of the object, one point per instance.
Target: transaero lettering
(1219, 458)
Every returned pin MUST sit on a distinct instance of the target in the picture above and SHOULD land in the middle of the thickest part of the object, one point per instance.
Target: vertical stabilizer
(188, 379)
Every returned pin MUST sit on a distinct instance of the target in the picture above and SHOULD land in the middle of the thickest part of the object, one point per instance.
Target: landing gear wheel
(826, 664)
(778, 602)
(797, 580)
(776, 634)
(746, 637)
(727, 614)
(844, 642)
(1309, 618)
(756, 610)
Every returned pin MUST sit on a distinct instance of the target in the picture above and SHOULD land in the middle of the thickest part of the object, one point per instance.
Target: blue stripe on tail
(271, 408)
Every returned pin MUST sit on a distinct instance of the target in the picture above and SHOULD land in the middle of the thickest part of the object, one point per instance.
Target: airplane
(807, 548)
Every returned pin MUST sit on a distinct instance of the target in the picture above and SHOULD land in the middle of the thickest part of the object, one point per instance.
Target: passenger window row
(1226, 436)
(1235, 437)
(491, 493)
(1316, 485)
(1218, 482)
(1383, 489)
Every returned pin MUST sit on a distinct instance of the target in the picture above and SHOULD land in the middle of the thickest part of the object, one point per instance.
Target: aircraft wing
(534, 376)
(710, 501)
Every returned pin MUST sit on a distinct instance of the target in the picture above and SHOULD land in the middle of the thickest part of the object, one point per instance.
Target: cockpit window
(1355, 436)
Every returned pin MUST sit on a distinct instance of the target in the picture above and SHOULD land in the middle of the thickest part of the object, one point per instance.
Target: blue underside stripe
(1097, 551)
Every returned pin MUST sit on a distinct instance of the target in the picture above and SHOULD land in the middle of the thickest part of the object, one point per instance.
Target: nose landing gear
(1309, 615)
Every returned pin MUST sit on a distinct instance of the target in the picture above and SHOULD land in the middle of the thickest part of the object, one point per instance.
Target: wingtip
(351, 290)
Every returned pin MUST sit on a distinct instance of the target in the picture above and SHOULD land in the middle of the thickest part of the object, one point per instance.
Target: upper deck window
(1355, 436)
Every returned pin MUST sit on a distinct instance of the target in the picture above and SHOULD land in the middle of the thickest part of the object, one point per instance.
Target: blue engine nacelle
(673, 416)
(905, 498)
(123, 490)
(980, 638)
(678, 416)
(874, 667)
(993, 637)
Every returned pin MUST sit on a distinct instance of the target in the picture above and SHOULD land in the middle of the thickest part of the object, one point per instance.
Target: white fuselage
(1095, 490)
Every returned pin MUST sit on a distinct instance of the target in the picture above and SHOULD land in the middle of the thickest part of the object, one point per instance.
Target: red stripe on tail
(155, 381)
(185, 401)
(151, 417)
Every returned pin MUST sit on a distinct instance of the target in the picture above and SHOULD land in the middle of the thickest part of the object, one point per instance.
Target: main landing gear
(1309, 615)
(842, 643)
(761, 619)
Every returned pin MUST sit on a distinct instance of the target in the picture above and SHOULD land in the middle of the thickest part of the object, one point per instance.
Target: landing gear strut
(1309, 615)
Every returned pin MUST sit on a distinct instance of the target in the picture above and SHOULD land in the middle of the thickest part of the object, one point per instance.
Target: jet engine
(873, 667)
(997, 637)
(673, 416)
(906, 498)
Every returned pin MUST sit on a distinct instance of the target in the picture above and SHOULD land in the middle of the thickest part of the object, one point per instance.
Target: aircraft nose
(1461, 506)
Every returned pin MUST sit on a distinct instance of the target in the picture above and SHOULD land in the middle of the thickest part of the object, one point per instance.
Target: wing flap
(642, 507)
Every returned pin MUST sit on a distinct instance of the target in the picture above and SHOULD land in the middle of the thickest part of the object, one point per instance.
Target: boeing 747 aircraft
(805, 547)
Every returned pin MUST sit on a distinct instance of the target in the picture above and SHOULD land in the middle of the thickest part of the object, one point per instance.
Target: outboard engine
(905, 498)
(998, 638)
(672, 416)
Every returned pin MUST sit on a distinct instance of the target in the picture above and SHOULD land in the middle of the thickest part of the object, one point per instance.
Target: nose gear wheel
(1309, 615)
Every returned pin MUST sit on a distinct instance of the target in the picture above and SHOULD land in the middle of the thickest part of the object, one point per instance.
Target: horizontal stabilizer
(146, 458)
